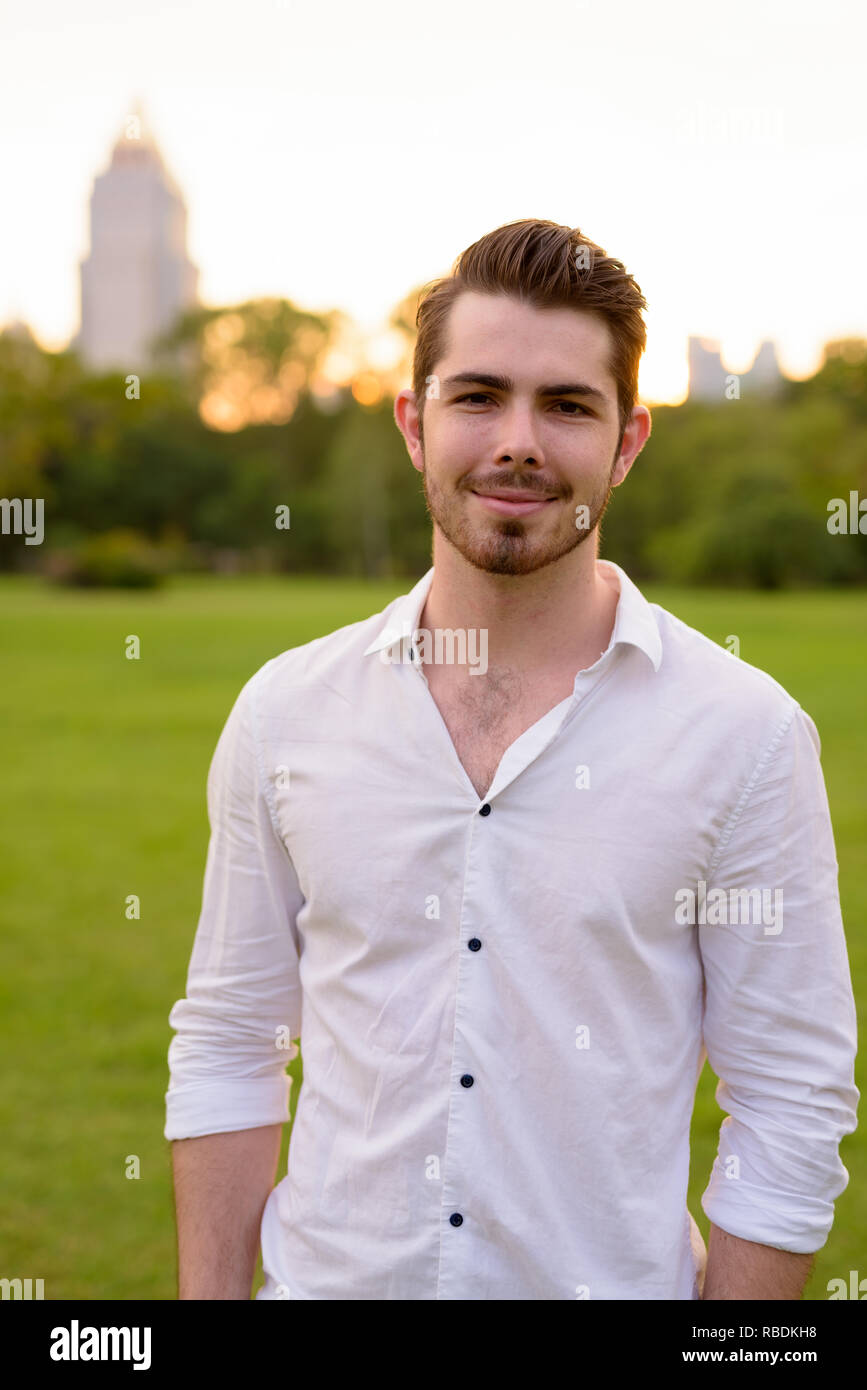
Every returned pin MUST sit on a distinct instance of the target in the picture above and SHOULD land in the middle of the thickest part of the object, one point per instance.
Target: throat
(486, 714)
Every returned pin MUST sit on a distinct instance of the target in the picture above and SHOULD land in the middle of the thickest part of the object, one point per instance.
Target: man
(508, 857)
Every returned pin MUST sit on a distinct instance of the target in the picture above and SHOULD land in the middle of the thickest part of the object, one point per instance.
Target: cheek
(462, 429)
(456, 449)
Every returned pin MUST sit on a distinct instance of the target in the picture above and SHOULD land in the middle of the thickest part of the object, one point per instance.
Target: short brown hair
(541, 263)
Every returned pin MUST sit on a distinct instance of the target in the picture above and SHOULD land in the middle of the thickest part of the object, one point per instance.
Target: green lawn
(105, 762)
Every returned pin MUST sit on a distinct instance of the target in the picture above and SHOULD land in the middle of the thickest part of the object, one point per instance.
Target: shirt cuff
(219, 1107)
(786, 1220)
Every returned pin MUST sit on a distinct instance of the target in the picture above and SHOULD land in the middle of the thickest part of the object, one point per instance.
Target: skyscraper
(137, 277)
(708, 377)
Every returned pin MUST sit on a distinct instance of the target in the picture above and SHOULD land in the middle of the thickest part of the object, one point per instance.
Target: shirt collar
(634, 621)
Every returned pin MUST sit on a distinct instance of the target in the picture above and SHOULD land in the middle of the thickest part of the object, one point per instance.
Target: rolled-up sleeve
(235, 1028)
(779, 1022)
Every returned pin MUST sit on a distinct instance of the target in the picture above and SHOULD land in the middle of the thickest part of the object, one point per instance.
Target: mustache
(518, 484)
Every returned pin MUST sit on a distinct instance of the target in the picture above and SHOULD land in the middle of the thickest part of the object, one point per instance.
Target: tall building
(765, 375)
(137, 276)
(706, 373)
(708, 376)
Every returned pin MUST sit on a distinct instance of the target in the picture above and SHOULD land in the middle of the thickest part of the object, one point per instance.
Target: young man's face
(512, 435)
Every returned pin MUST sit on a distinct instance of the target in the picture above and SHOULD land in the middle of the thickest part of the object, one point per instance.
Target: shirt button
(466, 1079)
(474, 943)
(456, 1219)
(485, 810)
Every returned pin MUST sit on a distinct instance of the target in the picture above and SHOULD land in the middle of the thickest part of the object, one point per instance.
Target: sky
(341, 155)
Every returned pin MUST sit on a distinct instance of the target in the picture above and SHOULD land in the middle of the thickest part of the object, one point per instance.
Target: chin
(513, 560)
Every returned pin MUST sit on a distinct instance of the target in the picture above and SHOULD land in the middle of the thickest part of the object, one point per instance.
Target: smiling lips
(512, 501)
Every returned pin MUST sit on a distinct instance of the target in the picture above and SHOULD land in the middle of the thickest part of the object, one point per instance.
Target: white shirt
(501, 1003)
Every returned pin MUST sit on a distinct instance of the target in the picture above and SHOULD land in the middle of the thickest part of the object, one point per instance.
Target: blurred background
(216, 227)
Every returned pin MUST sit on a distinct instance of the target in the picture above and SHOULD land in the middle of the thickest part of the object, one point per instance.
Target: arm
(228, 1092)
(779, 1026)
(739, 1269)
(222, 1182)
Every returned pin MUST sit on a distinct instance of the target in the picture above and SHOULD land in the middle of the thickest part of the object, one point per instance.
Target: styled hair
(547, 265)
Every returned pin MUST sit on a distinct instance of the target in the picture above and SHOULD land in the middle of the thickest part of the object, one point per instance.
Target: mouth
(513, 503)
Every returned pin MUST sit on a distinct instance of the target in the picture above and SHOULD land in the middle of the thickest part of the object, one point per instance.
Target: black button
(474, 943)
(411, 654)
(485, 810)
(466, 1079)
(456, 1219)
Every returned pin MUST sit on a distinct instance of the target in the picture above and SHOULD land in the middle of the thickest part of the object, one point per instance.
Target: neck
(558, 617)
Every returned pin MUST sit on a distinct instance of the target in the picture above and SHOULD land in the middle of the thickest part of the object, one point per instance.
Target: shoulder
(317, 679)
(719, 690)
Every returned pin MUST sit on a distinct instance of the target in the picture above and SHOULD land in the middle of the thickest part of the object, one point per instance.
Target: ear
(407, 419)
(635, 436)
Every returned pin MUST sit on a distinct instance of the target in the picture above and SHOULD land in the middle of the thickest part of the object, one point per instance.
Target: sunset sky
(343, 154)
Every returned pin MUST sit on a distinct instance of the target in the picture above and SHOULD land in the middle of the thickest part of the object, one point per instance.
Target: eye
(483, 396)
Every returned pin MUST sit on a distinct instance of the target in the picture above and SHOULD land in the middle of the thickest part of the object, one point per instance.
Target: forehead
(501, 334)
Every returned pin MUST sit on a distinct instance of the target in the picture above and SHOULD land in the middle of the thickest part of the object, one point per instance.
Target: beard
(511, 545)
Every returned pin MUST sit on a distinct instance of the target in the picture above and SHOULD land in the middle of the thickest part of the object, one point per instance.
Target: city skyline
(340, 183)
(137, 277)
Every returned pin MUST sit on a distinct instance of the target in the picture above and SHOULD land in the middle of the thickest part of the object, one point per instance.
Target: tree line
(136, 482)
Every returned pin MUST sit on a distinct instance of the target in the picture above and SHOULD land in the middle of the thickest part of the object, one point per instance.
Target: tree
(250, 362)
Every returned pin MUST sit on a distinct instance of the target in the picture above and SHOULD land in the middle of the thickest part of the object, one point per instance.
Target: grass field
(104, 764)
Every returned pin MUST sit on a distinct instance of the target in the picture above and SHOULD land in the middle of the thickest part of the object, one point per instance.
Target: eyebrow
(505, 383)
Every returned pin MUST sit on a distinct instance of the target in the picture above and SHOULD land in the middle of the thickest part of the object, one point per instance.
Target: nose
(518, 441)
